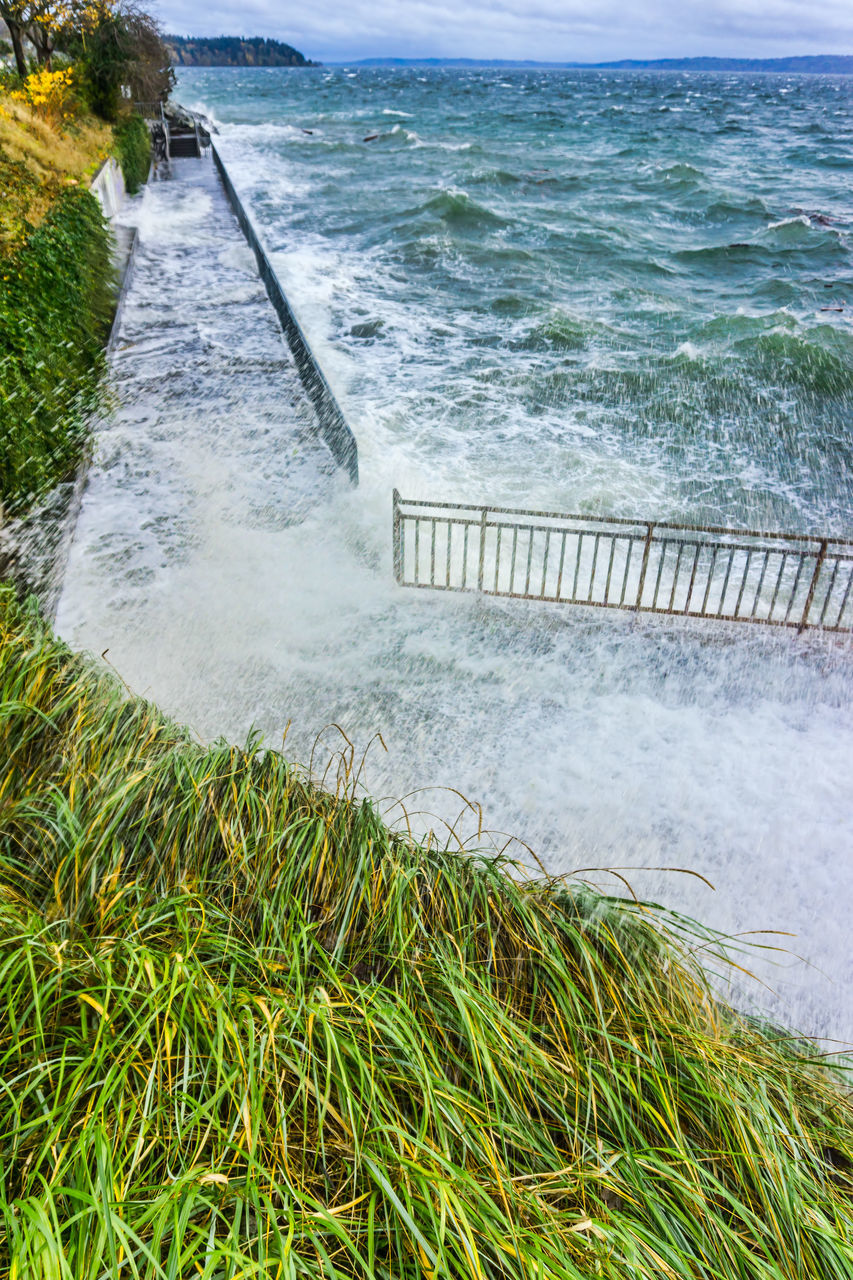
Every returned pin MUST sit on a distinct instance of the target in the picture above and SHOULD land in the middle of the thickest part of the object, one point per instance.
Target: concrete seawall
(333, 425)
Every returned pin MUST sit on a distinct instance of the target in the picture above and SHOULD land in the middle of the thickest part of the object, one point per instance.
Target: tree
(123, 47)
(46, 20)
(54, 22)
(45, 23)
(149, 73)
(15, 14)
(116, 42)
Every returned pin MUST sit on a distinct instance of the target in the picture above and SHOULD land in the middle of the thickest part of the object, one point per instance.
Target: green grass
(37, 161)
(249, 1031)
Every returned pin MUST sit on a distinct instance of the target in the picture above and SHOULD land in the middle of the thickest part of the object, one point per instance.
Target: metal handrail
(149, 110)
(700, 571)
(621, 520)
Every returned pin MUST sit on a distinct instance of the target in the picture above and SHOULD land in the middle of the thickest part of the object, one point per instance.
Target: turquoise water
(591, 292)
(611, 292)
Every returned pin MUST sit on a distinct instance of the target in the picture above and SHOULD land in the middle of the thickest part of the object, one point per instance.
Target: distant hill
(838, 64)
(455, 62)
(817, 64)
(233, 51)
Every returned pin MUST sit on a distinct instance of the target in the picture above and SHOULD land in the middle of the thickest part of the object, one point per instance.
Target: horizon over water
(611, 293)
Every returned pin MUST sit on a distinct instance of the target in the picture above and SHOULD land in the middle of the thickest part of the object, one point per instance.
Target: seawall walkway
(212, 427)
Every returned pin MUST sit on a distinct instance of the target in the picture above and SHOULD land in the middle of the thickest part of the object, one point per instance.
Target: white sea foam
(237, 584)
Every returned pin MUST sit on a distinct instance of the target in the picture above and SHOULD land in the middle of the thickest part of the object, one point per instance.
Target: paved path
(211, 428)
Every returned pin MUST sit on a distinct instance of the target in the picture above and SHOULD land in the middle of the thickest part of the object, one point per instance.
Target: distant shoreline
(259, 51)
(817, 64)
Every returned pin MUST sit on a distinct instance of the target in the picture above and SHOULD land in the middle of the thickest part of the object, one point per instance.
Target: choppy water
(610, 293)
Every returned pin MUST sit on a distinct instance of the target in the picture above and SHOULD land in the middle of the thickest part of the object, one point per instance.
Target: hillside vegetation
(250, 1031)
(233, 51)
(39, 158)
(58, 123)
(56, 298)
(56, 294)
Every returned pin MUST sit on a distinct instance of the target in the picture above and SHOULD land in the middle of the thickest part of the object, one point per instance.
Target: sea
(600, 292)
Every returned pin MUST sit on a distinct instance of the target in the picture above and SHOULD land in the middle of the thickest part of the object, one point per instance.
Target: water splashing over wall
(606, 322)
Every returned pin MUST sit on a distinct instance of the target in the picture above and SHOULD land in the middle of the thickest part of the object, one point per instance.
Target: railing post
(821, 556)
(646, 548)
(397, 540)
(482, 561)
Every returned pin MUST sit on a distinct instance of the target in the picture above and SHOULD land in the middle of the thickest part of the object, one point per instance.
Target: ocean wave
(801, 232)
(790, 235)
(741, 325)
(774, 350)
(456, 208)
(269, 133)
(818, 360)
(796, 220)
(689, 353)
(562, 330)
(439, 144)
(497, 177)
(728, 207)
(680, 172)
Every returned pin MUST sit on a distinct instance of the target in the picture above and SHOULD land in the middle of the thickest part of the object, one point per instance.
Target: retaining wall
(334, 427)
(108, 187)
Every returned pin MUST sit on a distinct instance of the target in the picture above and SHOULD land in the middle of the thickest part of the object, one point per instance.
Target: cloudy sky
(551, 30)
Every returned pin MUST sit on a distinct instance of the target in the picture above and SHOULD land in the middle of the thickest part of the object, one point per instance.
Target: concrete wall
(333, 426)
(108, 186)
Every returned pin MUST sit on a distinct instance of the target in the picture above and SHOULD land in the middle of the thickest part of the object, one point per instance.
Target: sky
(545, 30)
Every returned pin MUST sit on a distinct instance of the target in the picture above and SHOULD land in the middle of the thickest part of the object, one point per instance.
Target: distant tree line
(233, 51)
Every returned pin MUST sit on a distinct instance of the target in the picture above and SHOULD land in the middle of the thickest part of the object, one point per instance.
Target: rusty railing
(732, 575)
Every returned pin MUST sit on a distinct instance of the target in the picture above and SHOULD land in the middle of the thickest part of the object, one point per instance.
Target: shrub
(55, 303)
(49, 93)
(133, 151)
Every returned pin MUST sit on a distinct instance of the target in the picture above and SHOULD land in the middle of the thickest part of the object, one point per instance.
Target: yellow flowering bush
(49, 93)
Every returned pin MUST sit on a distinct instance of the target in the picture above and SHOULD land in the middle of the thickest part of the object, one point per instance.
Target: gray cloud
(558, 30)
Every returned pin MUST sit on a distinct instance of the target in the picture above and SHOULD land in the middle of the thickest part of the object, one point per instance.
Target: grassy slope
(249, 1031)
(37, 161)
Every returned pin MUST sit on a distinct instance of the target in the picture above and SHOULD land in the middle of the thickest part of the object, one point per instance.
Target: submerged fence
(334, 427)
(777, 579)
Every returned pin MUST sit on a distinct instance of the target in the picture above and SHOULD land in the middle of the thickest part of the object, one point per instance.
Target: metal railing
(732, 575)
(149, 110)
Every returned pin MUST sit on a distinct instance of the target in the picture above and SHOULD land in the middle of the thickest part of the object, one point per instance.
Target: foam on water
(595, 341)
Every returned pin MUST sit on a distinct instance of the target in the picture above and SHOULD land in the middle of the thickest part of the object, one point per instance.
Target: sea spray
(602, 342)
